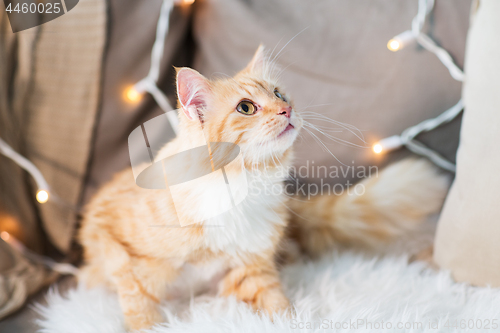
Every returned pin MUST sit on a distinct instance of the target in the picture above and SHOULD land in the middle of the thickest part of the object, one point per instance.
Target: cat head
(249, 109)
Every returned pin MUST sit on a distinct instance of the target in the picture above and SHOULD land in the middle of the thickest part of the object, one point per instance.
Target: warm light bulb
(393, 45)
(132, 95)
(388, 144)
(377, 148)
(42, 196)
(5, 236)
(187, 2)
(400, 41)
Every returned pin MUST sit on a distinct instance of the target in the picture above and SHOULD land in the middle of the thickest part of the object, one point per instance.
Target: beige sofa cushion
(468, 237)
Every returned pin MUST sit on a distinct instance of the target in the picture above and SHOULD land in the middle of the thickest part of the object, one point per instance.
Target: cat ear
(257, 61)
(193, 90)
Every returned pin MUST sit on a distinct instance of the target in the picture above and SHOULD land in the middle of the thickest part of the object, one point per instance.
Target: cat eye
(279, 95)
(246, 107)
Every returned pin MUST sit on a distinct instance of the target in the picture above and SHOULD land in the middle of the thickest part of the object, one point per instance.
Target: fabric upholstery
(467, 240)
(62, 106)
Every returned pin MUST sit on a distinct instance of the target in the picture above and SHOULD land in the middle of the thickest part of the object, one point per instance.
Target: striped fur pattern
(131, 238)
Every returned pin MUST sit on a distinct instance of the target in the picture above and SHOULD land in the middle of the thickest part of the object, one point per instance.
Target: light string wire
(43, 187)
(407, 138)
(62, 268)
(149, 83)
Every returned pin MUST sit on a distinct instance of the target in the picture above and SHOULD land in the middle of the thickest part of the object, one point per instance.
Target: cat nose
(286, 111)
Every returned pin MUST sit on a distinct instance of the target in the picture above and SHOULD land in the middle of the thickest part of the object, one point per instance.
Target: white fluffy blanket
(345, 291)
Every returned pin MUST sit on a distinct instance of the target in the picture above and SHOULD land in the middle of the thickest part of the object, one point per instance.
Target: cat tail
(378, 209)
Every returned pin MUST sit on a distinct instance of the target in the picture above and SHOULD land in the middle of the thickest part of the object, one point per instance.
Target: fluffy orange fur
(132, 238)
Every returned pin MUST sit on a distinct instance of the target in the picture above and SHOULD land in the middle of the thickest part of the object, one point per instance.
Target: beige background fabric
(62, 107)
(19, 277)
(468, 236)
(339, 65)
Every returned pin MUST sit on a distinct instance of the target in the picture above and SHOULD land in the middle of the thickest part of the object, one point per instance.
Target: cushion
(467, 240)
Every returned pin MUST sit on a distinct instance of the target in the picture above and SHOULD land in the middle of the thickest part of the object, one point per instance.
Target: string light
(393, 45)
(388, 144)
(42, 195)
(377, 148)
(61, 268)
(132, 95)
(404, 38)
(407, 138)
(401, 40)
(5, 236)
(149, 83)
(11, 240)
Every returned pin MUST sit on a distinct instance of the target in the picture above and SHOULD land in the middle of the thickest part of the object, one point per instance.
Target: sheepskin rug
(344, 291)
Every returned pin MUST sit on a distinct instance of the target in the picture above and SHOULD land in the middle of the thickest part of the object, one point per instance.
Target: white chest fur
(251, 226)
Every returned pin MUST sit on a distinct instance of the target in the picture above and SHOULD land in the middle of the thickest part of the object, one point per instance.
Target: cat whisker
(273, 62)
(270, 62)
(352, 129)
(338, 140)
(323, 145)
(278, 76)
(316, 106)
(327, 119)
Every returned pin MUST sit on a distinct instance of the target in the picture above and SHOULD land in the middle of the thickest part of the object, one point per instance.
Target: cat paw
(272, 302)
(136, 322)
